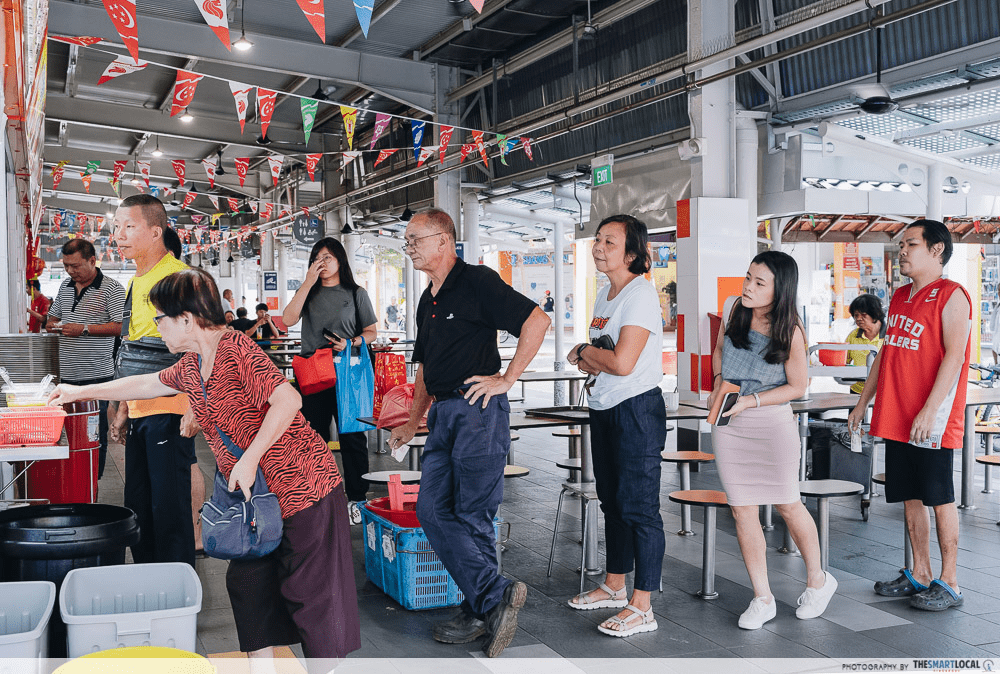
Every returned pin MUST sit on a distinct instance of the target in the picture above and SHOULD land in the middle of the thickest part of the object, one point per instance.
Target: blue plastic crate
(401, 562)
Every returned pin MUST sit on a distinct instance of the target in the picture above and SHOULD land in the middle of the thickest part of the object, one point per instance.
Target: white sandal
(647, 624)
(584, 602)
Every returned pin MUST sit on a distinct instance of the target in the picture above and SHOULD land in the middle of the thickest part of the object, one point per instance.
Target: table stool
(416, 451)
(382, 476)
(907, 548)
(684, 461)
(709, 499)
(989, 432)
(573, 438)
(822, 491)
(587, 493)
(988, 461)
(508, 472)
(514, 437)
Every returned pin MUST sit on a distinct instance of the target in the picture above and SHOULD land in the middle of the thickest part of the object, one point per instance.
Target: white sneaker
(354, 512)
(758, 613)
(814, 601)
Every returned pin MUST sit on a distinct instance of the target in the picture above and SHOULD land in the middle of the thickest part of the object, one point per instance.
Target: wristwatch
(86, 331)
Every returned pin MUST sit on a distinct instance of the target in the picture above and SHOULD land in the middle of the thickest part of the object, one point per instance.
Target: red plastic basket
(30, 425)
(406, 518)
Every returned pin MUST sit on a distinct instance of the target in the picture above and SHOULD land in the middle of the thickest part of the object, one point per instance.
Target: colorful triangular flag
(234, 204)
(502, 144)
(81, 41)
(179, 168)
(241, 94)
(143, 167)
(265, 107)
(275, 162)
(477, 136)
(215, 201)
(254, 205)
(242, 164)
(466, 149)
(214, 13)
(309, 107)
(189, 199)
(478, 4)
(57, 173)
(350, 116)
(122, 13)
(425, 153)
(86, 181)
(363, 8)
(418, 137)
(382, 156)
(184, 88)
(444, 137)
(120, 66)
(311, 161)
(92, 167)
(526, 142)
(381, 124)
(266, 210)
(210, 166)
(313, 9)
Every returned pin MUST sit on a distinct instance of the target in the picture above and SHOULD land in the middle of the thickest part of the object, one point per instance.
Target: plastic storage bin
(27, 395)
(25, 609)
(130, 605)
(401, 562)
(31, 425)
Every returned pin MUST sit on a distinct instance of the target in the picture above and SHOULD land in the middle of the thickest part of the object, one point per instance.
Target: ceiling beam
(74, 57)
(379, 12)
(458, 28)
(404, 80)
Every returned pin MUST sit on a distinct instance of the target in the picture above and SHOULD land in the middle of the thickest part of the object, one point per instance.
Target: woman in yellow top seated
(870, 318)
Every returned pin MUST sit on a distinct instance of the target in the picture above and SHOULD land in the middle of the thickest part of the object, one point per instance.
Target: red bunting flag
(86, 178)
(55, 219)
(57, 174)
(381, 124)
(275, 162)
(184, 88)
(120, 66)
(122, 13)
(311, 161)
(265, 107)
(478, 4)
(254, 205)
(241, 94)
(425, 154)
(284, 212)
(214, 13)
(305, 209)
(313, 9)
(526, 142)
(143, 170)
(266, 211)
(215, 202)
(382, 156)
(444, 137)
(210, 165)
(477, 136)
(466, 149)
(118, 171)
(179, 168)
(242, 164)
(234, 205)
(81, 41)
(188, 199)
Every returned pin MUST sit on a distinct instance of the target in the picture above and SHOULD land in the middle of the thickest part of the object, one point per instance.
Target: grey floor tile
(920, 641)
(852, 645)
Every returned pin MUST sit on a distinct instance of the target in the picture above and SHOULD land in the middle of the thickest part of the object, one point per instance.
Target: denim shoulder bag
(145, 355)
(232, 527)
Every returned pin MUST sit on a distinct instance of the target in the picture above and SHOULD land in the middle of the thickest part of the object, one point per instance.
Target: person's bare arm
(796, 372)
(532, 333)
(421, 403)
(857, 415)
(284, 402)
(139, 387)
(293, 311)
(621, 361)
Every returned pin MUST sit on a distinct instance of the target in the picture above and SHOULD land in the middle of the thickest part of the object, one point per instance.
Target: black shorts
(918, 474)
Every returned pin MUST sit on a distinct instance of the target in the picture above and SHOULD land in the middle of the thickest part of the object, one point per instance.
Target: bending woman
(628, 424)
(304, 591)
(762, 349)
(330, 299)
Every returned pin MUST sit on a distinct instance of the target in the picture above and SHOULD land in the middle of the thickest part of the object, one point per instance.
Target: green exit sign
(601, 175)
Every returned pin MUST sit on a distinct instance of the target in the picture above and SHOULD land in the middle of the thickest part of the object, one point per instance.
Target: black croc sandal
(938, 597)
(904, 586)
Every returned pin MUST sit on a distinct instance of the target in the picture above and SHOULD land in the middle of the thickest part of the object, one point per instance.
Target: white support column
(334, 223)
(747, 142)
(282, 275)
(470, 226)
(225, 267)
(558, 243)
(266, 251)
(238, 287)
(935, 180)
(412, 295)
(447, 186)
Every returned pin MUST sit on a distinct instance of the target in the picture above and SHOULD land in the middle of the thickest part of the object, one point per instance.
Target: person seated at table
(263, 329)
(868, 315)
(242, 323)
(230, 317)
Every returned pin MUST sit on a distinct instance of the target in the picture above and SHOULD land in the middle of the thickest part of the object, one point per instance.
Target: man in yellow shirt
(157, 457)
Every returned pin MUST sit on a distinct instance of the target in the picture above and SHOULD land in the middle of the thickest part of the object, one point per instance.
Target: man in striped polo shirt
(87, 315)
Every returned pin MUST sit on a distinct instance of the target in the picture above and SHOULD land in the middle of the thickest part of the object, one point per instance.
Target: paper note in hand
(400, 453)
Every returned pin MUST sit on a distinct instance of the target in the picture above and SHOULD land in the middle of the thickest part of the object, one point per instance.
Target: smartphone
(727, 404)
(330, 336)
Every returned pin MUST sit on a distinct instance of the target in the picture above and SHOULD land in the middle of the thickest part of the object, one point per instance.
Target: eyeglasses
(158, 318)
(411, 244)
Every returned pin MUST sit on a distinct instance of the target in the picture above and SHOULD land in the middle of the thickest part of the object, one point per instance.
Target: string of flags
(186, 84)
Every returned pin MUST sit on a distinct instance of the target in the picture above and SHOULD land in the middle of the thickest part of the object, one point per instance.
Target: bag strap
(226, 440)
(357, 314)
(127, 312)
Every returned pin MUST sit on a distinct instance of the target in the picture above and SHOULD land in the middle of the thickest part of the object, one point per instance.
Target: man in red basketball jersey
(920, 409)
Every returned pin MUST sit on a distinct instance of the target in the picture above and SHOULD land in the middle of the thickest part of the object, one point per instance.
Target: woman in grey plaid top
(762, 349)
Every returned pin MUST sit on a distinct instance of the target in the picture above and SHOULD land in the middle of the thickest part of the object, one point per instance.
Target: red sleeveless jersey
(911, 356)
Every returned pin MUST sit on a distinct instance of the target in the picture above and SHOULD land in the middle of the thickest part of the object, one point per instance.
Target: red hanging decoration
(184, 88)
(444, 137)
(122, 13)
(179, 168)
(214, 13)
(265, 105)
(311, 161)
(242, 164)
(313, 9)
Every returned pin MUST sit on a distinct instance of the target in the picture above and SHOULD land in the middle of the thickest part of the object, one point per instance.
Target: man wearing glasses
(461, 487)
(157, 457)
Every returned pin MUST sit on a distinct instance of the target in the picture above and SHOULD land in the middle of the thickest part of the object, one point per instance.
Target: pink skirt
(757, 455)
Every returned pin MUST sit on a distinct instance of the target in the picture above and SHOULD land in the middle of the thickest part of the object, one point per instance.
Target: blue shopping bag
(355, 389)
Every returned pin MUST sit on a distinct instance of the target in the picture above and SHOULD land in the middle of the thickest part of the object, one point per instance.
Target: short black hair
(153, 209)
(189, 291)
(934, 232)
(636, 242)
(868, 304)
(82, 246)
(261, 307)
(173, 242)
(241, 312)
(33, 283)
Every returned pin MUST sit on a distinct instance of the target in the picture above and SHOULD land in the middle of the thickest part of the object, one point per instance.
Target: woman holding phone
(330, 301)
(762, 350)
(628, 424)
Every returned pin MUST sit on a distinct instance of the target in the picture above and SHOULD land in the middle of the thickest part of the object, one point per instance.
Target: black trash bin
(46, 542)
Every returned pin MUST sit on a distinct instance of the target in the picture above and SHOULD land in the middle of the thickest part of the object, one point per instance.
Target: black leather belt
(450, 395)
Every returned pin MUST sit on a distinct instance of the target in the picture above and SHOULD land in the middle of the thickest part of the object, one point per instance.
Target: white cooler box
(25, 609)
(130, 605)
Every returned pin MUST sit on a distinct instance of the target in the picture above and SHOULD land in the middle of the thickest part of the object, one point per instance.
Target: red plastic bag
(396, 405)
(390, 372)
(315, 373)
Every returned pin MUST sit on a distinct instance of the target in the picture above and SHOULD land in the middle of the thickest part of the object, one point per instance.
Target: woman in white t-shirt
(628, 423)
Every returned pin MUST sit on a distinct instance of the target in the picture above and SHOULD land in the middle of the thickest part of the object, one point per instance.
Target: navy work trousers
(461, 487)
(626, 444)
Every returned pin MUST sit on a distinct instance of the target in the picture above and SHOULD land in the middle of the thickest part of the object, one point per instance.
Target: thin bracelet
(757, 398)
(579, 351)
(718, 375)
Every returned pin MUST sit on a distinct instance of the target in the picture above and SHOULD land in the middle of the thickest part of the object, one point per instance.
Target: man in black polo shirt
(466, 450)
